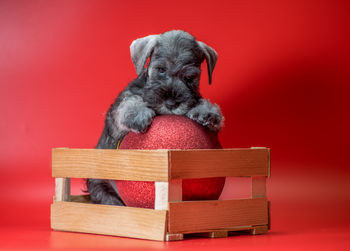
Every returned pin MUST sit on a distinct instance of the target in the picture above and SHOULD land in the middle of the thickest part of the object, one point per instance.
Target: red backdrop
(282, 81)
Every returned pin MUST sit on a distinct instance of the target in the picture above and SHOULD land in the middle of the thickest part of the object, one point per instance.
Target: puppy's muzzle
(171, 104)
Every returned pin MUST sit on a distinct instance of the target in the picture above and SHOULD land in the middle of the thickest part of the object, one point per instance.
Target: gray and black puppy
(169, 84)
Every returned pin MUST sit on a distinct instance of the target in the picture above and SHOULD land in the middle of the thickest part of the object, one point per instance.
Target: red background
(282, 81)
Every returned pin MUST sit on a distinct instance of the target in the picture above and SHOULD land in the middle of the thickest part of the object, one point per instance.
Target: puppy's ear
(210, 56)
(141, 49)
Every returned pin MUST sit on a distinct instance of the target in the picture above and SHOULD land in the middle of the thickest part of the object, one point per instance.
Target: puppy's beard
(164, 110)
(180, 110)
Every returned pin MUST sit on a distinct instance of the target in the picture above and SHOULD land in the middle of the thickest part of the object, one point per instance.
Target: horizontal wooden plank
(203, 216)
(218, 163)
(109, 220)
(138, 165)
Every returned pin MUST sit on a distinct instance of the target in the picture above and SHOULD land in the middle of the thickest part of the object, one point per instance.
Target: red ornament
(171, 132)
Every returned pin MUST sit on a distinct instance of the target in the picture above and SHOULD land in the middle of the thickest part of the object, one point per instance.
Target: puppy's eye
(189, 79)
(161, 69)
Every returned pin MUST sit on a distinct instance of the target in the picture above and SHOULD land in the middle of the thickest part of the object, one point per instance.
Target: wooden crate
(172, 218)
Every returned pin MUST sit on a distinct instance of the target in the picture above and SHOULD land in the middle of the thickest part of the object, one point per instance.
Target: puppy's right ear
(141, 49)
(210, 56)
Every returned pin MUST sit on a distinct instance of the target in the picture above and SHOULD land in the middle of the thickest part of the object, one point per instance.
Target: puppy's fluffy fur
(168, 85)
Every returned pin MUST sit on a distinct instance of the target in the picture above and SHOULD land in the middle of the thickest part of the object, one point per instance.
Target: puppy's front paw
(138, 119)
(211, 120)
(207, 115)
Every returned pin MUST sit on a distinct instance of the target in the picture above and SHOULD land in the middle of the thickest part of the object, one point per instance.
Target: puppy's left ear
(210, 56)
(141, 49)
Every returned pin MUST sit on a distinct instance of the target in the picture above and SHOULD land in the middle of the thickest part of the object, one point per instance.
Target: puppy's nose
(171, 104)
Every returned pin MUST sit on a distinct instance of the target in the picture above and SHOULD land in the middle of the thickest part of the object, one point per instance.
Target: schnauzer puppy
(169, 84)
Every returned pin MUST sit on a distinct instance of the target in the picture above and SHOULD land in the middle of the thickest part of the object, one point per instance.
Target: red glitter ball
(171, 132)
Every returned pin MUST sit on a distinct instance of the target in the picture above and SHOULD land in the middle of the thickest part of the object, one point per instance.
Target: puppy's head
(173, 71)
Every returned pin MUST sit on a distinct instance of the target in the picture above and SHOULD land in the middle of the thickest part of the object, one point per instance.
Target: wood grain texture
(203, 216)
(174, 237)
(62, 189)
(161, 190)
(165, 192)
(175, 190)
(258, 186)
(218, 163)
(109, 220)
(138, 165)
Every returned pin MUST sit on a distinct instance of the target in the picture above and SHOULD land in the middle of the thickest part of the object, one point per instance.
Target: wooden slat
(174, 237)
(258, 186)
(138, 165)
(62, 189)
(109, 220)
(165, 192)
(161, 190)
(218, 163)
(175, 190)
(199, 216)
